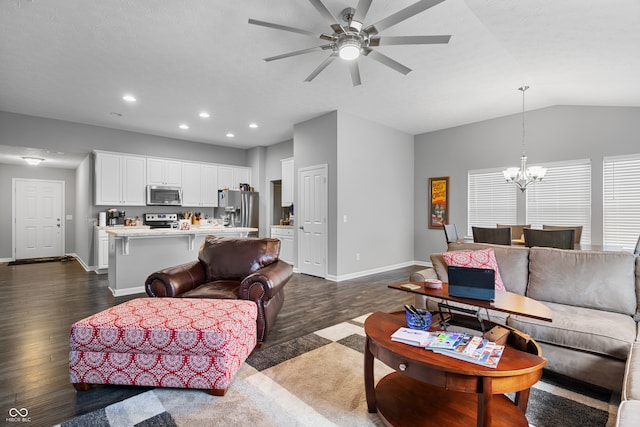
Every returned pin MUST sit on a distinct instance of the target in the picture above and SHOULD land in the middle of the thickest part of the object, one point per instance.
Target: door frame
(325, 168)
(14, 216)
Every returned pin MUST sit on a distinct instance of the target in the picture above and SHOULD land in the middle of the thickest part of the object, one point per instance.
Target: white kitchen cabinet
(230, 177)
(120, 179)
(164, 172)
(199, 185)
(286, 235)
(287, 182)
(102, 249)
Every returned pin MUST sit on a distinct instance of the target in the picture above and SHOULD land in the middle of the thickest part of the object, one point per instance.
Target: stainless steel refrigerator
(242, 206)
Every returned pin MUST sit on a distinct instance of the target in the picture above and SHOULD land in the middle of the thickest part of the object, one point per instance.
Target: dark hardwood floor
(39, 302)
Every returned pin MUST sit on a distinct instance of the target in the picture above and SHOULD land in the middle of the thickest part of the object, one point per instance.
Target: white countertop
(197, 229)
(120, 227)
(283, 226)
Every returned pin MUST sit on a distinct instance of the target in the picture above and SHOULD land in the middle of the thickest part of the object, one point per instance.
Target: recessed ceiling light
(230, 135)
(253, 125)
(184, 126)
(204, 115)
(129, 98)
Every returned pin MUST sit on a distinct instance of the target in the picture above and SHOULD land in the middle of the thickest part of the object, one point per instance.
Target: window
(563, 197)
(491, 200)
(621, 201)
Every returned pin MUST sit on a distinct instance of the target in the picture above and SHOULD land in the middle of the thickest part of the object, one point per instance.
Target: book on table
(414, 337)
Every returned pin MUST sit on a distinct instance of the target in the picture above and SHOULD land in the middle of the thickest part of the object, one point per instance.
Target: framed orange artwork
(438, 201)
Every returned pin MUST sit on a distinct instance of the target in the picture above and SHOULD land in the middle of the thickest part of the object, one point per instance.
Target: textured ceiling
(74, 59)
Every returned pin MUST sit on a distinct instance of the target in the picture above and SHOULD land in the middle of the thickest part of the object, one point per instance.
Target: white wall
(375, 194)
(552, 134)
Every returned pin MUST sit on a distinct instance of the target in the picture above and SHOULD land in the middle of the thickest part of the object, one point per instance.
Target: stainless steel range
(161, 220)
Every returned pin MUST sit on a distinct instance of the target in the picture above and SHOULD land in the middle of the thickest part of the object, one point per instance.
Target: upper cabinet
(287, 182)
(230, 177)
(199, 185)
(120, 179)
(164, 172)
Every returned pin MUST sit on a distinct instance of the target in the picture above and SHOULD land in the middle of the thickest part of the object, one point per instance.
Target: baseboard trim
(128, 291)
(369, 272)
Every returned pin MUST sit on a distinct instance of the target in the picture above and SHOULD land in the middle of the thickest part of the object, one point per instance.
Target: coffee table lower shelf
(404, 401)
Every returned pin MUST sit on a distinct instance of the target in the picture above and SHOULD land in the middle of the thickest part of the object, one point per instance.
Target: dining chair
(560, 239)
(497, 236)
(578, 228)
(516, 229)
(450, 233)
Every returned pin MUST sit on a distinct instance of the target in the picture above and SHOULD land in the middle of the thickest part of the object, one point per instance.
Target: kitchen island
(135, 253)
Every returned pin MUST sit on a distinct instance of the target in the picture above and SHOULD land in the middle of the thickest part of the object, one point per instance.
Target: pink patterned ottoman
(164, 342)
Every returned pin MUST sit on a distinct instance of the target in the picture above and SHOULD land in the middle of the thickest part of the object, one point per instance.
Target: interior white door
(312, 217)
(38, 218)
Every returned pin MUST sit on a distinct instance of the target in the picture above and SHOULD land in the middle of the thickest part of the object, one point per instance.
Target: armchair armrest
(173, 281)
(266, 282)
(421, 275)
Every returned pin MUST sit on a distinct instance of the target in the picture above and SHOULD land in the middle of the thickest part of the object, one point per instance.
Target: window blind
(563, 197)
(490, 199)
(621, 200)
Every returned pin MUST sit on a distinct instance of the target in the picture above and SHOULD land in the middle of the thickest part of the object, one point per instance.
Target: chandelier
(524, 176)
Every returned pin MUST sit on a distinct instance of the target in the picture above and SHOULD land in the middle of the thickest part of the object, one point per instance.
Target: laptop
(476, 283)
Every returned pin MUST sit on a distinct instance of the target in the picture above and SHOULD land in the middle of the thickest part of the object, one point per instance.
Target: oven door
(164, 196)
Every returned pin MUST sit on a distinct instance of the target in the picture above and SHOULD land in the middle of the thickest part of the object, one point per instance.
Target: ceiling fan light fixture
(349, 46)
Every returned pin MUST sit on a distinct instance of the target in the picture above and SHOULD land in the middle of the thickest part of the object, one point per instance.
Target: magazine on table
(476, 350)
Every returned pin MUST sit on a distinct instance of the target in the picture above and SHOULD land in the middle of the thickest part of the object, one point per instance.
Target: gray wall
(375, 193)
(552, 134)
(315, 142)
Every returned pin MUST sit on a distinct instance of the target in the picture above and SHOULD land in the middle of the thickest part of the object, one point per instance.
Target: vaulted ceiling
(74, 60)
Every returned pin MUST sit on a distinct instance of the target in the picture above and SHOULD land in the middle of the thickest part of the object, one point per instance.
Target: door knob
(301, 228)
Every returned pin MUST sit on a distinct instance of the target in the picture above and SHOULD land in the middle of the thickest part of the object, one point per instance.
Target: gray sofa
(595, 300)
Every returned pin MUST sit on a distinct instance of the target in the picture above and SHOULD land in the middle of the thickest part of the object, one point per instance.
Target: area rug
(41, 260)
(317, 380)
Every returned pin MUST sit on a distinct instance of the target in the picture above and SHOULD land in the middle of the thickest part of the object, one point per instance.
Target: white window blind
(621, 201)
(563, 197)
(491, 200)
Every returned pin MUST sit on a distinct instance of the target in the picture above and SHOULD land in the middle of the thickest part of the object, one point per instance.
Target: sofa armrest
(266, 282)
(422, 275)
(173, 281)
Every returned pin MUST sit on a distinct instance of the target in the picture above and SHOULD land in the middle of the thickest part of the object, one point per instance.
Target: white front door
(38, 226)
(312, 219)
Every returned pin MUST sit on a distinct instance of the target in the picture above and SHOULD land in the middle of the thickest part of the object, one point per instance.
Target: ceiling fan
(352, 39)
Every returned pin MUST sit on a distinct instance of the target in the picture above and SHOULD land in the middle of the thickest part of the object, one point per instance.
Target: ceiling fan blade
(401, 15)
(327, 15)
(384, 59)
(400, 40)
(361, 10)
(355, 73)
(297, 52)
(282, 27)
(321, 67)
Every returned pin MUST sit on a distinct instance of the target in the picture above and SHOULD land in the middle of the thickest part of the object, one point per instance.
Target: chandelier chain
(523, 89)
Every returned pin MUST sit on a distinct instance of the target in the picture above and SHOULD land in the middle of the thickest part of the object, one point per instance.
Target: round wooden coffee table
(434, 389)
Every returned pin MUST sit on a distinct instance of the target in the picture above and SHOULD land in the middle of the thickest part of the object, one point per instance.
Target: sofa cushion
(483, 258)
(595, 331)
(513, 262)
(628, 413)
(234, 259)
(631, 384)
(598, 280)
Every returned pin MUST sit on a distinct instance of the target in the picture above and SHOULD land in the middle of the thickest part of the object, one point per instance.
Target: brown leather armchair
(230, 268)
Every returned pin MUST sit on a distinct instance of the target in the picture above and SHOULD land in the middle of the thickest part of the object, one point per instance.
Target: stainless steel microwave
(158, 195)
